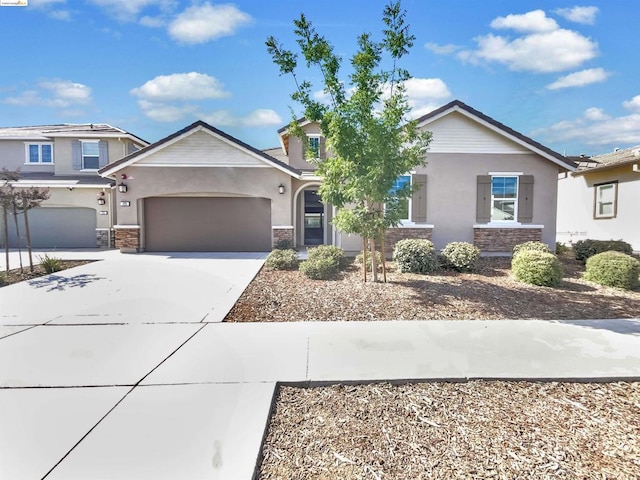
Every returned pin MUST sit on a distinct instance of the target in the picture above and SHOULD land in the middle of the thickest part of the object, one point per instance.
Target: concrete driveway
(121, 369)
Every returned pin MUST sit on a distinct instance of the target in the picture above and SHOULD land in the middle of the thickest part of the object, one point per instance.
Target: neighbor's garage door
(207, 224)
(56, 228)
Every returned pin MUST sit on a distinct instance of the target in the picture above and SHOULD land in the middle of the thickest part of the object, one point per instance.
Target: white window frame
(407, 221)
(597, 203)
(27, 147)
(515, 200)
(82, 155)
(306, 148)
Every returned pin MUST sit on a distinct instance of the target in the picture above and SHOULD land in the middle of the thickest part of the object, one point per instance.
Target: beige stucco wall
(576, 196)
(452, 190)
(81, 197)
(296, 149)
(117, 150)
(203, 181)
(13, 156)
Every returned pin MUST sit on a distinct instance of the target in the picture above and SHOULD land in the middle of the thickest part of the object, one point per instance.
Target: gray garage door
(206, 224)
(56, 228)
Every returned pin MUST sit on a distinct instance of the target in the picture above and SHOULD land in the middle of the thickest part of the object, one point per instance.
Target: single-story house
(600, 200)
(65, 158)
(200, 189)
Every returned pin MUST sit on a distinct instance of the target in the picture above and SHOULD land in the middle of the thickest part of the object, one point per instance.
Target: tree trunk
(364, 258)
(374, 261)
(384, 261)
(6, 236)
(27, 232)
(15, 219)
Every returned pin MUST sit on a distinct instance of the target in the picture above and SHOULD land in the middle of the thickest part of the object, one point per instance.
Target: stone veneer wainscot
(502, 238)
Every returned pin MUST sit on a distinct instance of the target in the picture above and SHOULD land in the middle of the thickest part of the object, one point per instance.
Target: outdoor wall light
(281, 189)
(101, 201)
(122, 188)
(125, 203)
(123, 176)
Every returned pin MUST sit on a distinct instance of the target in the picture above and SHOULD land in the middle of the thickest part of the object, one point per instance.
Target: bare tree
(7, 201)
(30, 198)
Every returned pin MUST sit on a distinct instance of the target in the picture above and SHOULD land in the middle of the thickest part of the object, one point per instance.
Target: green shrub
(330, 252)
(584, 249)
(537, 246)
(360, 257)
(561, 248)
(461, 256)
(319, 268)
(613, 269)
(50, 264)
(284, 245)
(537, 268)
(282, 260)
(415, 256)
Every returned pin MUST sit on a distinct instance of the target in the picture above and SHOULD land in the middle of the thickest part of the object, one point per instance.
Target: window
(39, 153)
(606, 199)
(504, 199)
(401, 205)
(313, 147)
(90, 155)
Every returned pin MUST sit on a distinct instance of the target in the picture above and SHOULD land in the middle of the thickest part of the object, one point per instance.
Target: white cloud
(181, 86)
(530, 22)
(441, 49)
(580, 79)
(152, 22)
(633, 104)
(52, 8)
(59, 94)
(163, 112)
(544, 47)
(595, 128)
(585, 15)
(256, 118)
(202, 23)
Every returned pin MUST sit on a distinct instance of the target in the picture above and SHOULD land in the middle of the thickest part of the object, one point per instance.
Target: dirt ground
(490, 293)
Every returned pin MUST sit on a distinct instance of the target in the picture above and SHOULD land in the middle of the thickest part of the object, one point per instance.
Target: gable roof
(500, 128)
(617, 158)
(185, 132)
(47, 132)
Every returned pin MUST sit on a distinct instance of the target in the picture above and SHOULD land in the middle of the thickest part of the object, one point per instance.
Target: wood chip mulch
(479, 429)
(490, 293)
(16, 275)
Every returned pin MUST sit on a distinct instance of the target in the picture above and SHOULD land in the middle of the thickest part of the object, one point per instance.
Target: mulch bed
(490, 293)
(16, 276)
(479, 429)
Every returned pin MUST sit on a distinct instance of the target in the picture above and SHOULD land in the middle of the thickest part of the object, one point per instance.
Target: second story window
(313, 147)
(90, 155)
(39, 153)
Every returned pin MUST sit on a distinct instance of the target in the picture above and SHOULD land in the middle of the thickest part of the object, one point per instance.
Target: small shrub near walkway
(537, 268)
(613, 269)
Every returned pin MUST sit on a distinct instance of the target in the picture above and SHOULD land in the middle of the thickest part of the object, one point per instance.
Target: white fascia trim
(59, 185)
(196, 165)
(132, 227)
(414, 225)
(508, 225)
(282, 227)
(505, 174)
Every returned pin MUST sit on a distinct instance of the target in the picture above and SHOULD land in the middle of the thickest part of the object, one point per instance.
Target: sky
(564, 73)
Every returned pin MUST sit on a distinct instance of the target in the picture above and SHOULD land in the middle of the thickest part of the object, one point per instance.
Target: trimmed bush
(415, 256)
(319, 268)
(537, 246)
(284, 245)
(360, 257)
(330, 252)
(537, 268)
(50, 264)
(460, 256)
(613, 269)
(282, 260)
(561, 248)
(584, 249)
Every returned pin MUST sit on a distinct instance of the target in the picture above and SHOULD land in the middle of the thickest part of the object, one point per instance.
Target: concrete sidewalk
(191, 401)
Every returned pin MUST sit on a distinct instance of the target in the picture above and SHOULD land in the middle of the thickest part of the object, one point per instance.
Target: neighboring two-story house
(600, 200)
(66, 158)
(200, 189)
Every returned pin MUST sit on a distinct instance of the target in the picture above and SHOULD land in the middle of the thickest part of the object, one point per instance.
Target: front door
(313, 218)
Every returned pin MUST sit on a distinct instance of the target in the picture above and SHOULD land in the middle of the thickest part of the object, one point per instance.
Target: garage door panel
(192, 224)
(56, 228)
